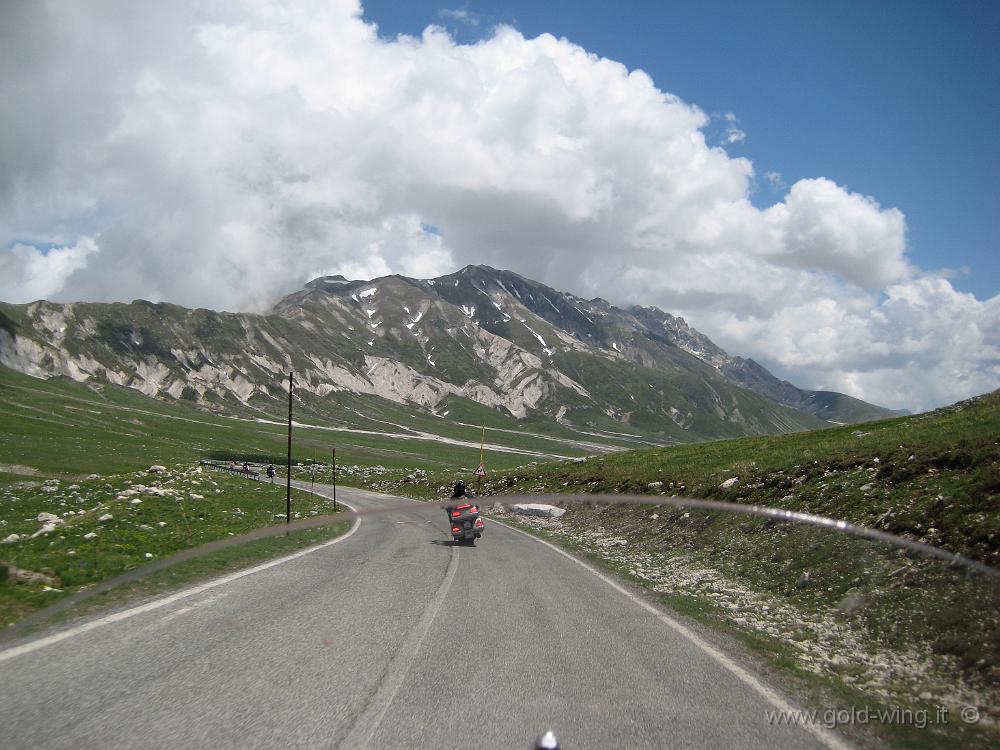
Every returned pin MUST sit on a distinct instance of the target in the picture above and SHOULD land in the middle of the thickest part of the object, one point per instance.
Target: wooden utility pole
(288, 487)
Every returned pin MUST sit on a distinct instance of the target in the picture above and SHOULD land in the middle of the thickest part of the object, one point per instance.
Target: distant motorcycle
(466, 525)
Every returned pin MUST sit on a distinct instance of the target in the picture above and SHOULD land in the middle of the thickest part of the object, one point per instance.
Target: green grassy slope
(58, 427)
(934, 477)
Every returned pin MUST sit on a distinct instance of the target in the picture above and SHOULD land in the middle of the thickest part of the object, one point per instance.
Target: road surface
(390, 637)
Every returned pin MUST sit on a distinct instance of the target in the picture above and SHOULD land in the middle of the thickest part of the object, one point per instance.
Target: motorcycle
(465, 523)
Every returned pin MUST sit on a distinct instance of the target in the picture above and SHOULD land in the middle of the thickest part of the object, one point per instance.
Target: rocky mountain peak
(482, 335)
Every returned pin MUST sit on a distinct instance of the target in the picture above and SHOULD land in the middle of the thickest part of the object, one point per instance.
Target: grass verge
(60, 539)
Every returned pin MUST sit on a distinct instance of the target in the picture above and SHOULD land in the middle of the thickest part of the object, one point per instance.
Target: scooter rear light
(455, 529)
(474, 509)
(463, 506)
(455, 514)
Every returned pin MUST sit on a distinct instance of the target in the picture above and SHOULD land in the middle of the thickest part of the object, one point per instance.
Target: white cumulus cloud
(219, 154)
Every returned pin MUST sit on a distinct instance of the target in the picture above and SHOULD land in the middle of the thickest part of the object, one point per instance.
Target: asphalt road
(388, 638)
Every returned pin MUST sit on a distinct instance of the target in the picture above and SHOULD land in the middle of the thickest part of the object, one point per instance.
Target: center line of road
(368, 723)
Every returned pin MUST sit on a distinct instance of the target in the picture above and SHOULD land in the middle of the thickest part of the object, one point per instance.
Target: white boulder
(45, 529)
(10, 539)
(537, 509)
(156, 469)
(729, 483)
(105, 517)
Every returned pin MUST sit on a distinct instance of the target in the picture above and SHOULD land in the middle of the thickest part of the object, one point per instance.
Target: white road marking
(825, 736)
(27, 648)
(368, 723)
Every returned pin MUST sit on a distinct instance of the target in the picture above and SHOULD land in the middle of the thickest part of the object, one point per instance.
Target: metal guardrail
(250, 473)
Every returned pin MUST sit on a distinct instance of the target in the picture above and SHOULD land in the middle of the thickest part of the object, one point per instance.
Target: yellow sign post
(481, 469)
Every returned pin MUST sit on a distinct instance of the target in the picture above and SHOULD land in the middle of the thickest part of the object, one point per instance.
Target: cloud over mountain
(220, 155)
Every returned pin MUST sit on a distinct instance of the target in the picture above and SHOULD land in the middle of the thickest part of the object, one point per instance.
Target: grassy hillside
(61, 428)
(933, 477)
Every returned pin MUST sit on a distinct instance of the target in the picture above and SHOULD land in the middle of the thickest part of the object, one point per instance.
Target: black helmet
(459, 488)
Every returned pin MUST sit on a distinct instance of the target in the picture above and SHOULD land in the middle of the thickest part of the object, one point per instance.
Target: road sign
(480, 471)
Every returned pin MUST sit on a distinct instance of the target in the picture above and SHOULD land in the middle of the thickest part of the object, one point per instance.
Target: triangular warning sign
(480, 471)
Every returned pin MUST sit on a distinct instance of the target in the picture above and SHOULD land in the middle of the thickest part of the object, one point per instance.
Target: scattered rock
(853, 600)
(161, 524)
(195, 496)
(156, 469)
(105, 517)
(46, 528)
(149, 555)
(91, 535)
(538, 509)
(11, 539)
(616, 542)
(20, 575)
(92, 477)
(580, 460)
(654, 485)
(729, 483)
(48, 518)
(136, 501)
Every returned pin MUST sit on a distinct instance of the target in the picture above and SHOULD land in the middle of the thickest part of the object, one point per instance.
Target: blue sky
(896, 100)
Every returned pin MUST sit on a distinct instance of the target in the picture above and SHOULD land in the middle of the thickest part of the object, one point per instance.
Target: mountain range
(480, 336)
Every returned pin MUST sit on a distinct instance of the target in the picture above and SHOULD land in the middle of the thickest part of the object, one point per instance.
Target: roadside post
(481, 469)
(288, 486)
(312, 473)
(334, 479)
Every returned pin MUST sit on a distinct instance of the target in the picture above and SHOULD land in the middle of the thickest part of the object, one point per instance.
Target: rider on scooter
(459, 493)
